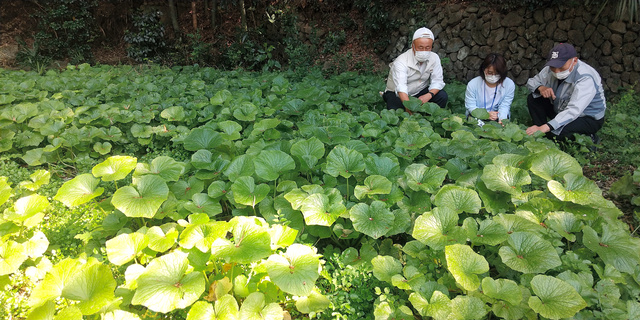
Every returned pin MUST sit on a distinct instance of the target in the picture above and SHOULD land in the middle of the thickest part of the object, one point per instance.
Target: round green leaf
(344, 162)
(37, 245)
(528, 253)
(320, 209)
(202, 138)
(468, 307)
(12, 255)
(27, 207)
(374, 221)
(125, 247)
(226, 308)
(505, 178)
(245, 111)
(175, 113)
(239, 167)
(423, 178)
(102, 147)
(438, 228)
(554, 164)
(34, 157)
(315, 302)
(162, 238)
(255, 307)
(246, 192)
(577, 189)
(114, 168)
(93, 286)
(308, 151)
(554, 298)
(151, 192)
(487, 232)
(564, 223)
(465, 265)
(614, 247)
(165, 167)
(383, 166)
(79, 190)
(374, 184)
(38, 178)
(231, 129)
(250, 242)
(202, 203)
(202, 236)
(271, 164)
(165, 284)
(459, 199)
(295, 271)
(385, 267)
(502, 289)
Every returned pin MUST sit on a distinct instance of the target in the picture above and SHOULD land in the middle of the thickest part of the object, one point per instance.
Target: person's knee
(442, 98)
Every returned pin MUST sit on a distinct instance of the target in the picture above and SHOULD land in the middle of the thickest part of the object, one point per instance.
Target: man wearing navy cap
(568, 92)
(418, 73)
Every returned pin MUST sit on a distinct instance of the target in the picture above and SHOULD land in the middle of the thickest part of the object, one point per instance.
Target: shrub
(147, 39)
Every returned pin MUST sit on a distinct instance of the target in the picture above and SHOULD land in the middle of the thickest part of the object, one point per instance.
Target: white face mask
(422, 56)
(492, 78)
(563, 74)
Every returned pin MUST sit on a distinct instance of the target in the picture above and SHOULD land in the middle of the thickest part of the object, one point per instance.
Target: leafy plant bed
(212, 195)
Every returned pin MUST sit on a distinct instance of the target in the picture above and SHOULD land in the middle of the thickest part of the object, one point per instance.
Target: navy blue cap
(560, 54)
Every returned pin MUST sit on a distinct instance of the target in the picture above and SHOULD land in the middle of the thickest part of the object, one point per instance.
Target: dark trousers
(541, 110)
(394, 102)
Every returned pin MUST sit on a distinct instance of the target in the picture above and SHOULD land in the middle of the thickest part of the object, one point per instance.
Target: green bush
(147, 39)
(66, 29)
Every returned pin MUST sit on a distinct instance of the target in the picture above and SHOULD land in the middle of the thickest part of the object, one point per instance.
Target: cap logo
(554, 55)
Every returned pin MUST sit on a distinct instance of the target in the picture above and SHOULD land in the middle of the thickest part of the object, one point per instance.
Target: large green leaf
(489, 231)
(79, 190)
(271, 164)
(423, 178)
(166, 284)
(5, 190)
(468, 307)
(528, 253)
(125, 247)
(458, 199)
(308, 152)
(231, 129)
(374, 220)
(202, 138)
(175, 113)
(577, 189)
(255, 307)
(250, 242)
(246, 192)
(438, 228)
(202, 203)
(465, 265)
(385, 267)
(89, 283)
(38, 179)
(165, 167)
(554, 164)
(225, 308)
(382, 165)
(564, 223)
(503, 289)
(27, 207)
(114, 168)
(202, 236)
(162, 238)
(616, 247)
(505, 178)
(344, 162)
(554, 298)
(321, 209)
(315, 302)
(296, 270)
(240, 166)
(373, 184)
(144, 201)
(12, 255)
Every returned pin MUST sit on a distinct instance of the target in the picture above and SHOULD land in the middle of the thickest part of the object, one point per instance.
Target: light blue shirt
(477, 96)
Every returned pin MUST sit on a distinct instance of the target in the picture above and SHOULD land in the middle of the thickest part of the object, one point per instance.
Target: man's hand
(426, 97)
(547, 92)
(493, 115)
(533, 129)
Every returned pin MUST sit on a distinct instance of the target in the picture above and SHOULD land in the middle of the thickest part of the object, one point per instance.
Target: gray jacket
(580, 95)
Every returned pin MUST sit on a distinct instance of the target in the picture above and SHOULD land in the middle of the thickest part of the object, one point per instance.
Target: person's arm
(470, 96)
(400, 75)
(505, 106)
(540, 79)
(583, 92)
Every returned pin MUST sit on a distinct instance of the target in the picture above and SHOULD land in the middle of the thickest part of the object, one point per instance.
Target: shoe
(595, 138)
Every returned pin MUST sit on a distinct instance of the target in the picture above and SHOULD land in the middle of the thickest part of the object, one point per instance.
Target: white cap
(423, 33)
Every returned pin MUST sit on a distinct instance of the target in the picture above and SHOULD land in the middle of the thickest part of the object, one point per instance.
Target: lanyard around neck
(484, 95)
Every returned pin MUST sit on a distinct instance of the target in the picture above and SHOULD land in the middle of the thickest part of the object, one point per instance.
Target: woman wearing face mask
(491, 90)
(566, 97)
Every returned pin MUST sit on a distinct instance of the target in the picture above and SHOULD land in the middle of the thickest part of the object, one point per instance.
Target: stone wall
(466, 34)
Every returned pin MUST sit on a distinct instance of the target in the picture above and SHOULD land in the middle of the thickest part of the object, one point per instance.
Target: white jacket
(405, 76)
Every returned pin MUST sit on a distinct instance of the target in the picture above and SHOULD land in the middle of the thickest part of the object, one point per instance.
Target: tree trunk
(194, 16)
(243, 16)
(174, 16)
(214, 8)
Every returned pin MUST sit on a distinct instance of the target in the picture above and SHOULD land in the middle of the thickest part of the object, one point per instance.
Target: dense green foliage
(243, 195)
(146, 39)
